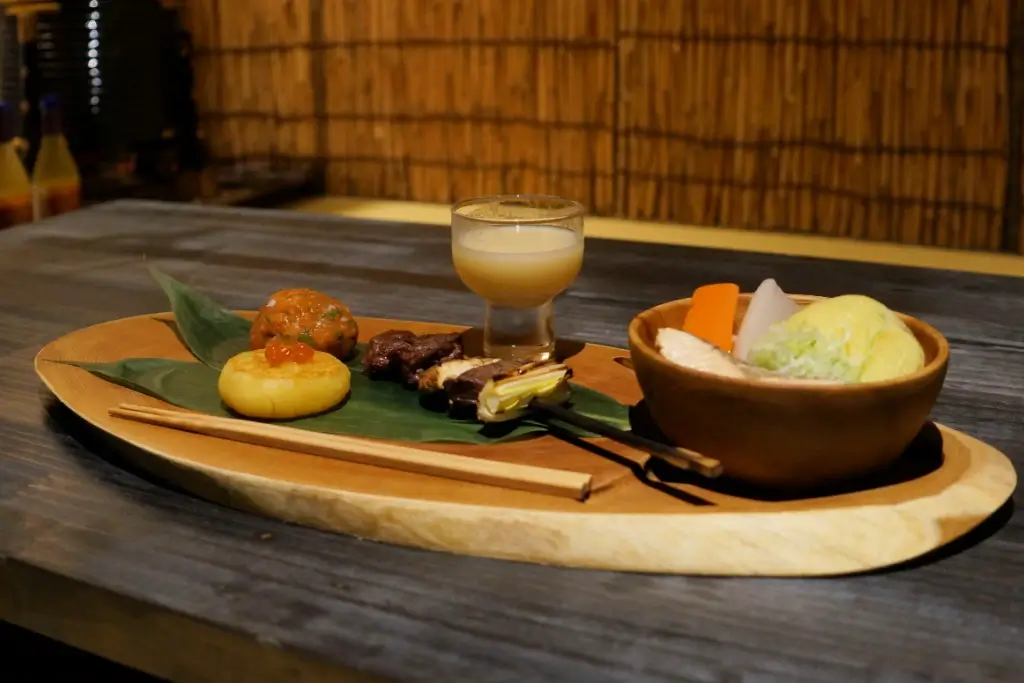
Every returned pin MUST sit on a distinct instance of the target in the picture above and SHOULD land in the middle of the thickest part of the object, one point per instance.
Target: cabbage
(802, 352)
(849, 338)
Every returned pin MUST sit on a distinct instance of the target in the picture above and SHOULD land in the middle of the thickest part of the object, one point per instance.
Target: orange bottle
(15, 189)
(56, 183)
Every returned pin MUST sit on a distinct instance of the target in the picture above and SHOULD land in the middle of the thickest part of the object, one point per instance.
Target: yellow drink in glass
(518, 252)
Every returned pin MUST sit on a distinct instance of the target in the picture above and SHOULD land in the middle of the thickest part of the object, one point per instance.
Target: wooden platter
(944, 486)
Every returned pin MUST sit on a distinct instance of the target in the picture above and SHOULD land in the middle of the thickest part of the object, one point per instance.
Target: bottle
(15, 189)
(56, 183)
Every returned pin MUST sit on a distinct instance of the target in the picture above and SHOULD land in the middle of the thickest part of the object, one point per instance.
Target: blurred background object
(56, 182)
(894, 122)
(869, 119)
(118, 75)
(15, 188)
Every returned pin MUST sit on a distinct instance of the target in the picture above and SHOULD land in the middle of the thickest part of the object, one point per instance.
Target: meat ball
(308, 316)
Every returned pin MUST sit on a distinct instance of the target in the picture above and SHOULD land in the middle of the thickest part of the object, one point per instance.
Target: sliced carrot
(713, 313)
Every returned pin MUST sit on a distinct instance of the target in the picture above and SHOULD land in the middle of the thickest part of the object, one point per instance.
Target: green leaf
(212, 333)
(375, 408)
(599, 406)
(181, 383)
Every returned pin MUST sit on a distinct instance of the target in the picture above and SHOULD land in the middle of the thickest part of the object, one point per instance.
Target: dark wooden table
(111, 562)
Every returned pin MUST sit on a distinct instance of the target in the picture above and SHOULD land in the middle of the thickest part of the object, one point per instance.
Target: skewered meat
(438, 377)
(488, 389)
(402, 355)
(428, 350)
(465, 388)
(382, 351)
(495, 390)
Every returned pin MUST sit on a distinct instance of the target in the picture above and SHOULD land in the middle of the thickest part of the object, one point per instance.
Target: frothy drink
(518, 266)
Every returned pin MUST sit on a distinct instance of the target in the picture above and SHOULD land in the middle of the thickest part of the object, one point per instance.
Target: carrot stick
(713, 313)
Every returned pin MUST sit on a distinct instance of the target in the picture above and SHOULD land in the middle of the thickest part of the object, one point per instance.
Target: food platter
(945, 484)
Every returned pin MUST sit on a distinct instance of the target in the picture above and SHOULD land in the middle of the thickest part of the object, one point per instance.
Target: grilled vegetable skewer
(507, 395)
(503, 391)
(494, 390)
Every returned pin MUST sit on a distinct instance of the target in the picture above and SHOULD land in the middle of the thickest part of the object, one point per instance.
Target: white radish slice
(768, 306)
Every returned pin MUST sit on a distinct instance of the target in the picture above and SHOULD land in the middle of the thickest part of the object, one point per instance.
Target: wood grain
(101, 556)
(510, 475)
(682, 235)
(772, 433)
(859, 118)
(627, 526)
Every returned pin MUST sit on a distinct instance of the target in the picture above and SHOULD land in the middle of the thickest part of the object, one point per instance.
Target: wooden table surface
(107, 560)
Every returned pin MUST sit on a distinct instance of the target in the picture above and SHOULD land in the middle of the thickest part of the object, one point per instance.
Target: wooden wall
(875, 119)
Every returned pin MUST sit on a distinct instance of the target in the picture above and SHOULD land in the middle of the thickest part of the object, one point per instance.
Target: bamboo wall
(876, 119)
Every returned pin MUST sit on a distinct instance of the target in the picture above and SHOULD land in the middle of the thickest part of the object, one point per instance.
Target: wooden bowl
(791, 436)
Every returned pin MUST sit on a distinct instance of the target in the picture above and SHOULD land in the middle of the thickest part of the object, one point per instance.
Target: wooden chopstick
(682, 458)
(575, 485)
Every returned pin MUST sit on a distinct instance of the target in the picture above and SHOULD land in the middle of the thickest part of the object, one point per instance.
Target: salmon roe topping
(280, 351)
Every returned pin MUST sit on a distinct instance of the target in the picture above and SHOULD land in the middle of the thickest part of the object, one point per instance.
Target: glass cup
(518, 252)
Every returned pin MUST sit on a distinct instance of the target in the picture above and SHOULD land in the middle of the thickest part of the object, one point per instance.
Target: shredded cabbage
(848, 339)
(803, 352)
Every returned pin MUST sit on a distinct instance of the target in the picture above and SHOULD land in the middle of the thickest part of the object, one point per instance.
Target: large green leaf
(181, 383)
(376, 408)
(212, 333)
(599, 406)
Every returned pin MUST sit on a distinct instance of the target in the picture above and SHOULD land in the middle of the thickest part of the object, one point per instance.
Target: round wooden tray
(945, 485)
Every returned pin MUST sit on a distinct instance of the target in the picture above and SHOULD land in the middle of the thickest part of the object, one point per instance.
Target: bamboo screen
(877, 119)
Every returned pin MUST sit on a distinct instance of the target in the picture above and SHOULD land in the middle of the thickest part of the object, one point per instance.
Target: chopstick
(683, 458)
(575, 485)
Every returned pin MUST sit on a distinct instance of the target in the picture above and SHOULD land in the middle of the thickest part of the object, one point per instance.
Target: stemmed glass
(518, 252)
